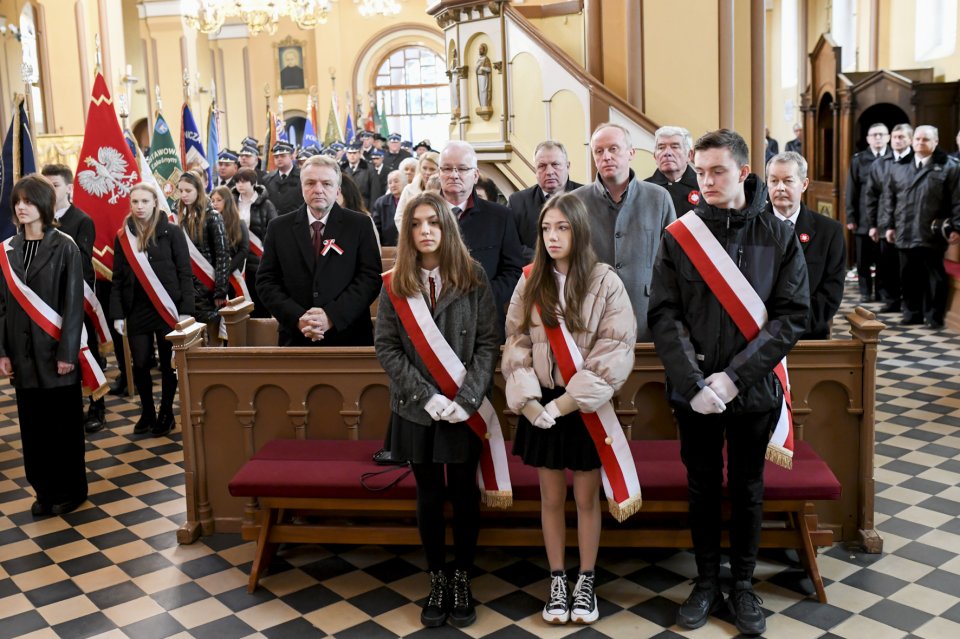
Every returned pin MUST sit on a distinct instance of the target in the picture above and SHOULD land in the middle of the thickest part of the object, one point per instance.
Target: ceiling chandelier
(260, 16)
(369, 8)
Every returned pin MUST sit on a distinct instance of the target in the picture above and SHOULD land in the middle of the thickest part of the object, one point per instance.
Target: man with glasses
(553, 176)
(858, 219)
(487, 227)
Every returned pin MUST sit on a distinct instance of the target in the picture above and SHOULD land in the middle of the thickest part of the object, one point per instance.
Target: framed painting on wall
(291, 77)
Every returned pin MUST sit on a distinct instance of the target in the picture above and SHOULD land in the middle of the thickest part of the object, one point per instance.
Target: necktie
(283, 176)
(457, 212)
(790, 222)
(317, 237)
(433, 293)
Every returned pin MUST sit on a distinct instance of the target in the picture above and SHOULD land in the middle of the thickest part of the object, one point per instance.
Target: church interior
(165, 548)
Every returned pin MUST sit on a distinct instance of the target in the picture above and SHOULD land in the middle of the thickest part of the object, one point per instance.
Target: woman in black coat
(256, 210)
(204, 227)
(45, 370)
(238, 238)
(134, 311)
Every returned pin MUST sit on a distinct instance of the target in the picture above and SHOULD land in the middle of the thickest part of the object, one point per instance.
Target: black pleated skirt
(565, 446)
(438, 442)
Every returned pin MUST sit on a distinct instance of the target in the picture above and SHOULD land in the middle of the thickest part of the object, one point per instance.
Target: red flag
(369, 124)
(105, 174)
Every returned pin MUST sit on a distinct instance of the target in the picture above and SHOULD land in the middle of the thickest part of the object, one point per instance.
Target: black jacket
(56, 276)
(526, 205)
(679, 191)
(290, 280)
(391, 161)
(912, 199)
(874, 188)
(170, 259)
(857, 199)
(384, 210)
(214, 248)
(694, 335)
(286, 195)
(238, 252)
(825, 253)
(262, 211)
(364, 177)
(795, 145)
(79, 226)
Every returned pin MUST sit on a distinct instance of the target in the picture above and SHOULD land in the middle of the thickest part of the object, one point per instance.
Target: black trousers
(51, 431)
(701, 448)
(141, 352)
(888, 272)
(464, 494)
(924, 282)
(867, 251)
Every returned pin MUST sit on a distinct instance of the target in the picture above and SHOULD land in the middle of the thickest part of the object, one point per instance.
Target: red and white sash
(744, 306)
(621, 485)
(162, 302)
(91, 306)
(256, 246)
(205, 273)
(448, 372)
(91, 376)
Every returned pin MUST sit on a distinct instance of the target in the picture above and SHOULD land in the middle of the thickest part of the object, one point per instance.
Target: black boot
(165, 420)
(120, 388)
(148, 414)
(96, 417)
(463, 613)
(436, 608)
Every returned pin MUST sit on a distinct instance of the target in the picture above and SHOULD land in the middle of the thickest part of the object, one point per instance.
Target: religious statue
(454, 76)
(484, 86)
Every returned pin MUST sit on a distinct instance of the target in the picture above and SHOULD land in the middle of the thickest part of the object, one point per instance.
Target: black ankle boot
(165, 423)
(436, 608)
(463, 613)
(146, 423)
(96, 417)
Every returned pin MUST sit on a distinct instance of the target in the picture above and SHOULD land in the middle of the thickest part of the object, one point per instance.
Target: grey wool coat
(469, 323)
(627, 236)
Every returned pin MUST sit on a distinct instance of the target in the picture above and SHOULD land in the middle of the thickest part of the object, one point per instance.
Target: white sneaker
(557, 610)
(584, 609)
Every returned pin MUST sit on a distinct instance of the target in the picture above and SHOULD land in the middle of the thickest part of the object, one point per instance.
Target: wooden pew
(234, 400)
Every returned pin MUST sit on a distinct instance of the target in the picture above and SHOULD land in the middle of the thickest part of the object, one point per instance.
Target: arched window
(936, 32)
(31, 57)
(413, 93)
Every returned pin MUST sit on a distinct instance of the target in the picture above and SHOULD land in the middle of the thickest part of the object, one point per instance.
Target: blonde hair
(146, 229)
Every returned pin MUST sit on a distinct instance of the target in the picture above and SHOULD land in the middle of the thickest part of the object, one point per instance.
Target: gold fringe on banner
(498, 498)
(622, 511)
(780, 456)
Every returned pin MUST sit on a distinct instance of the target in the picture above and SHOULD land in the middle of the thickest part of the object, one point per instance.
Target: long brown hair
(231, 216)
(146, 230)
(541, 288)
(193, 218)
(457, 268)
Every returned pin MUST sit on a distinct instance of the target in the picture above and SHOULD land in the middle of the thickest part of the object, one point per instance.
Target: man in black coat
(671, 151)
(249, 157)
(283, 185)
(228, 163)
(821, 239)
(553, 176)
(858, 219)
(385, 209)
(79, 226)
(359, 171)
(394, 154)
(796, 144)
(378, 174)
(487, 227)
(321, 266)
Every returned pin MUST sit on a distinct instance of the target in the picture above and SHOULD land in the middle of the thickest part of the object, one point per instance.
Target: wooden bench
(320, 480)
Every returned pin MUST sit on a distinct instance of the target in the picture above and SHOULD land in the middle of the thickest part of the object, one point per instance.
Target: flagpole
(27, 75)
(159, 101)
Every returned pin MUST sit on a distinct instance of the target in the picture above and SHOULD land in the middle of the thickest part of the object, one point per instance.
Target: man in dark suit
(249, 157)
(283, 185)
(321, 266)
(228, 163)
(820, 237)
(858, 219)
(79, 226)
(553, 170)
(359, 171)
(672, 151)
(487, 227)
(385, 209)
(394, 154)
(378, 173)
(796, 144)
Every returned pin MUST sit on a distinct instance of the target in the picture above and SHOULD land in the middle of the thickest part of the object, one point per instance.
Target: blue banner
(213, 143)
(309, 136)
(348, 133)
(191, 145)
(17, 160)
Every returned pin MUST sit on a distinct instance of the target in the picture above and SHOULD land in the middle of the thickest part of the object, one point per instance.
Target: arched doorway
(825, 139)
(881, 113)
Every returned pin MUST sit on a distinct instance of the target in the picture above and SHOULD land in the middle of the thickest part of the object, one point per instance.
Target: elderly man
(553, 171)
(321, 266)
(796, 144)
(487, 227)
(821, 239)
(671, 151)
(629, 217)
(283, 184)
(920, 197)
(858, 220)
(385, 208)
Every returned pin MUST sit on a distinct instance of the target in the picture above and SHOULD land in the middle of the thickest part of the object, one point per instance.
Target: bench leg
(808, 523)
(265, 548)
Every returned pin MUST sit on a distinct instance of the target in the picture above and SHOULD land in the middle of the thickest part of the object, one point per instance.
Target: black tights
(464, 495)
(141, 351)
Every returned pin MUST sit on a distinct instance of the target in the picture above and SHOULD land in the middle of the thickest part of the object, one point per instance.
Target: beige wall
(899, 18)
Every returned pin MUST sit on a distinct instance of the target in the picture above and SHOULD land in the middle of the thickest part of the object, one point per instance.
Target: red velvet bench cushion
(332, 469)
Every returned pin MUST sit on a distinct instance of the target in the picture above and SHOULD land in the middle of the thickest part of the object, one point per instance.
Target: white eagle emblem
(107, 175)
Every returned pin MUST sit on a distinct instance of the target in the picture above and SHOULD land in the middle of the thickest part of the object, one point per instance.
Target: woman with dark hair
(41, 262)
(151, 265)
(238, 239)
(204, 227)
(350, 196)
(487, 190)
(571, 334)
(436, 280)
(256, 210)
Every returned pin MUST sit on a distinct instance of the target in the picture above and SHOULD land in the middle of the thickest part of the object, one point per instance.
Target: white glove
(721, 384)
(706, 402)
(119, 325)
(436, 405)
(544, 420)
(552, 410)
(454, 413)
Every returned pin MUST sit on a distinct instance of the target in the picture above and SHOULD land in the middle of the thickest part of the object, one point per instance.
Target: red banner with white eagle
(105, 174)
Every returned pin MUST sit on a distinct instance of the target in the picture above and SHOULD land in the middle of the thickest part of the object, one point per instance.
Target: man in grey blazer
(629, 217)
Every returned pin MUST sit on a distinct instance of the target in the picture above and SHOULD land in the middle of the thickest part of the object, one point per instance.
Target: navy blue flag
(191, 144)
(309, 136)
(17, 161)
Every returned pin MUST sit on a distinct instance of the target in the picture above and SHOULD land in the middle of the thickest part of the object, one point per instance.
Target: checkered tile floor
(114, 569)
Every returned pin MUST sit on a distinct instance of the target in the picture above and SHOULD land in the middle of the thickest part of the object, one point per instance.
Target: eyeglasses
(459, 170)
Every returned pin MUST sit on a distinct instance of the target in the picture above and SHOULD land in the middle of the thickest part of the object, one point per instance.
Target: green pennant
(164, 160)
